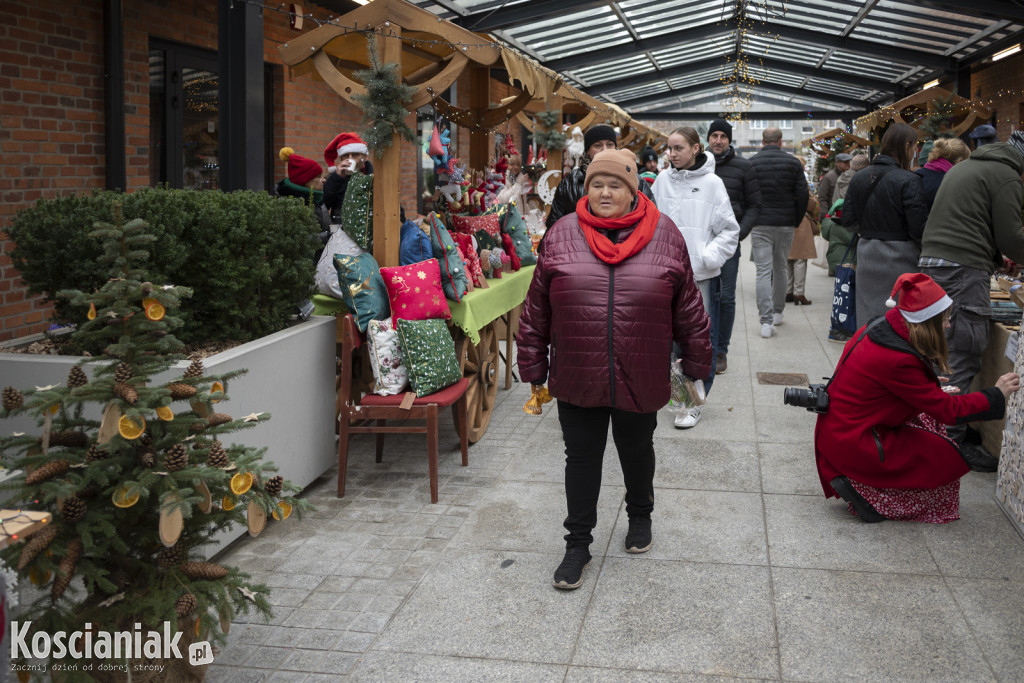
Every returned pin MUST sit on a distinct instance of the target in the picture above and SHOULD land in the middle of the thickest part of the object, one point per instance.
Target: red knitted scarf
(644, 217)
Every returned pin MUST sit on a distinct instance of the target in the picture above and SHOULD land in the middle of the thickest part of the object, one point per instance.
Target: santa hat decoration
(510, 146)
(919, 298)
(344, 143)
(300, 169)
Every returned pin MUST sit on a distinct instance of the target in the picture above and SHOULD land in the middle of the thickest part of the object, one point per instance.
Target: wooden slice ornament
(206, 504)
(172, 522)
(225, 619)
(257, 519)
(108, 423)
(200, 409)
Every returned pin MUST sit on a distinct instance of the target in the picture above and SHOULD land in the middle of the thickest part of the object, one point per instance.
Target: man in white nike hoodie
(696, 200)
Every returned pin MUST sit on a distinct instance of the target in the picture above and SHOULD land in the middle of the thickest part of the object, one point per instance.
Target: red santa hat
(344, 143)
(918, 297)
(300, 169)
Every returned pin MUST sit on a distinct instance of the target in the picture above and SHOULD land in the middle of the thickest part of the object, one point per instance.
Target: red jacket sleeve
(912, 383)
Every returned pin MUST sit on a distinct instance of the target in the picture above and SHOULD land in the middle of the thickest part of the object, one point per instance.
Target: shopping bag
(844, 310)
(821, 247)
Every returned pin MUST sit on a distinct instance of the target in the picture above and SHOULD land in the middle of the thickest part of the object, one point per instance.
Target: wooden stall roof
(965, 113)
(830, 135)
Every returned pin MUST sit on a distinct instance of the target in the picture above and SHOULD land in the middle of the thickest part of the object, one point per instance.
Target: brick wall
(1000, 85)
(51, 110)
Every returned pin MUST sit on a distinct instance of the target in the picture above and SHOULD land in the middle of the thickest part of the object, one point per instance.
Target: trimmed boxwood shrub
(247, 256)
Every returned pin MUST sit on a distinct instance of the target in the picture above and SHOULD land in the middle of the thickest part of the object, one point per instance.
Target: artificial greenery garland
(552, 136)
(384, 104)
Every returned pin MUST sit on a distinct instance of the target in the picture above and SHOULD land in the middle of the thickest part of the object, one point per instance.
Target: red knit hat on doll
(300, 169)
(917, 297)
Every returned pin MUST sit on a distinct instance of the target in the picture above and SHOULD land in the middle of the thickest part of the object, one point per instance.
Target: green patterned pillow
(484, 241)
(429, 354)
(513, 225)
(362, 288)
(357, 211)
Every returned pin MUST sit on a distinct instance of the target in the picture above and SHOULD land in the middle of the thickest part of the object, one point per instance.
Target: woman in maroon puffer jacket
(612, 290)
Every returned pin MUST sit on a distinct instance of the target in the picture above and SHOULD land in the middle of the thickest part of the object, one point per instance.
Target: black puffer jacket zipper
(611, 341)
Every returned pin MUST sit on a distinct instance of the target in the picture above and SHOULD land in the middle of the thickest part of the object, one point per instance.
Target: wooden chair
(377, 410)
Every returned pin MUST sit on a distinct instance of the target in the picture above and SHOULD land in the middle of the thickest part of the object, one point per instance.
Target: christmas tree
(138, 493)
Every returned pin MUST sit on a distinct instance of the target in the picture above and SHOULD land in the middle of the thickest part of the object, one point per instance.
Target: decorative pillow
(510, 250)
(485, 241)
(415, 291)
(362, 289)
(357, 210)
(453, 270)
(473, 270)
(389, 372)
(513, 225)
(414, 244)
(326, 277)
(470, 225)
(429, 355)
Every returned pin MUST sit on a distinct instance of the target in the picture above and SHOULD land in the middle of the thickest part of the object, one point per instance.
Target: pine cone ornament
(218, 419)
(170, 557)
(73, 510)
(77, 378)
(176, 458)
(12, 398)
(148, 459)
(69, 437)
(274, 485)
(123, 373)
(146, 439)
(66, 569)
(95, 453)
(126, 392)
(181, 391)
(47, 471)
(195, 369)
(185, 605)
(218, 457)
(203, 570)
(37, 545)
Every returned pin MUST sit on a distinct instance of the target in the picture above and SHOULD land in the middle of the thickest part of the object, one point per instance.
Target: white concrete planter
(290, 375)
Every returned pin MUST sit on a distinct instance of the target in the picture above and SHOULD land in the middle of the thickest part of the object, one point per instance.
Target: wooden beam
(386, 165)
(479, 102)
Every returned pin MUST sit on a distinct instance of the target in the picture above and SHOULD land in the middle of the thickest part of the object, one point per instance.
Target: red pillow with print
(415, 291)
(468, 225)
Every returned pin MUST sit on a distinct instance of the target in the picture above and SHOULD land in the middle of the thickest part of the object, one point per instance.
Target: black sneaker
(978, 458)
(569, 574)
(868, 514)
(638, 538)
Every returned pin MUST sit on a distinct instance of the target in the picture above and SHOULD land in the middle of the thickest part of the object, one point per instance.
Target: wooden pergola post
(479, 102)
(386, 167)
(553, 103)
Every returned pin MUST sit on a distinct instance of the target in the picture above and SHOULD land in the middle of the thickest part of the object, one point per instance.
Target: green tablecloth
(482, 306)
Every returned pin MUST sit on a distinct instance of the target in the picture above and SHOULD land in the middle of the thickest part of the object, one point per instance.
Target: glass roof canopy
(669, 55)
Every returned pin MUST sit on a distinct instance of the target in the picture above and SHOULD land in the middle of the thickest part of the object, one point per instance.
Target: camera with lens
(814, 398)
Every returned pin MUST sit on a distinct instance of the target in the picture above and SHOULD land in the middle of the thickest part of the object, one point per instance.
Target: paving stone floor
(753, 574)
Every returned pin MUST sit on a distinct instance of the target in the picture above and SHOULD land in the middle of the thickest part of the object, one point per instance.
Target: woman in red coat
(882, 445)
(612, 290)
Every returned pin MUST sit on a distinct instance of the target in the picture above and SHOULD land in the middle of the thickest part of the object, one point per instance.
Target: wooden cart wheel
(479, 363)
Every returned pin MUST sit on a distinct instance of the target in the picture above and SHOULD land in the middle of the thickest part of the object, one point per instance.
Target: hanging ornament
(172, 521)
(257, 519)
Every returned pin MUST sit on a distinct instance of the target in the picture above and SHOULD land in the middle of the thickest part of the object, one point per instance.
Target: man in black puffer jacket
(745, 194)
(569, 191)
(784, 197)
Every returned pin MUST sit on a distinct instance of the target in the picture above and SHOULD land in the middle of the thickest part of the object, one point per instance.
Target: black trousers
(585, 431)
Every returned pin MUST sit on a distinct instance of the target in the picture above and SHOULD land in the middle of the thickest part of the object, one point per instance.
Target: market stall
(931, 112)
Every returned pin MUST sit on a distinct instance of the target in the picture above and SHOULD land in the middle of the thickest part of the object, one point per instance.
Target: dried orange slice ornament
(148, 301)
(165, 413)
(54, 408)
(124, 497)
(155, 311)
(228, 504)
(216, 392)
(241, 482)
(129, 428)
(39, 577)
(91, 315)
(283, 511)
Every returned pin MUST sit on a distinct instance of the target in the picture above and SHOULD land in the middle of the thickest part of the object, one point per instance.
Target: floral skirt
(936, 506)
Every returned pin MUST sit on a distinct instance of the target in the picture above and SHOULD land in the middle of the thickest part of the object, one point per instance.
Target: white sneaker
(688, 418)
(767, 330)
(777, 319)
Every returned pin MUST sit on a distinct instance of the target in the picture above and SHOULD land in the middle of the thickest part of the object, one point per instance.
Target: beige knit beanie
(620, 163)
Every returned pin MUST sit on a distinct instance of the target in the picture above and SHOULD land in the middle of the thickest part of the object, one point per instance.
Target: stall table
(994, 364)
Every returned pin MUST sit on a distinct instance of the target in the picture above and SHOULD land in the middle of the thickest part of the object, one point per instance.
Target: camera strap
(842, 361)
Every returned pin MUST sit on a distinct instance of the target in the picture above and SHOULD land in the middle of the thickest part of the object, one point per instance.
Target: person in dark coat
(612, 290)
(346, 154)
(745, 194)
(784, 196)
(944, 155)
(882, 445)
(596, 140)
(885, 205)
(305, 180)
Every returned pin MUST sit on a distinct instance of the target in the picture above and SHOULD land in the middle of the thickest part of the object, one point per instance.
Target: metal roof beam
(864, 47)
(993, 48)
(526, 13)
(771, 87)
(759, 98)
(662, 42)
(863, 12)
(980, 8)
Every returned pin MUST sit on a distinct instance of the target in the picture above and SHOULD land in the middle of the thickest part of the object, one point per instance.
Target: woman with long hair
(696, 200)
(882, 446)
(886, 206)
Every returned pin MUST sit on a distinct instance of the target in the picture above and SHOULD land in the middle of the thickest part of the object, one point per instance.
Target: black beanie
(648, 154)
(598, 133)
(720, 126)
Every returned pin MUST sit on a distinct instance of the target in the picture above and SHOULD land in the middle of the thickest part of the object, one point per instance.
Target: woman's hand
(1008, 383)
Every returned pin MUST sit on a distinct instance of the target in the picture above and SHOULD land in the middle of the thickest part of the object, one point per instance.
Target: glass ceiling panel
(607, 71)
